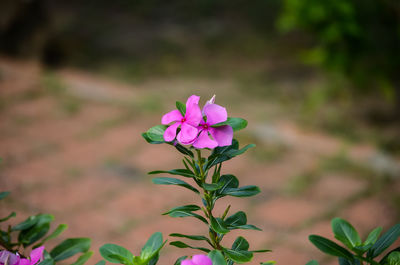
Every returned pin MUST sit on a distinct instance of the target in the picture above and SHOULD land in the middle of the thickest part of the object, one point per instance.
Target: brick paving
(87, 165)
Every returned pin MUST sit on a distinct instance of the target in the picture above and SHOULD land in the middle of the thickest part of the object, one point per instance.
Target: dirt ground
(71, 146)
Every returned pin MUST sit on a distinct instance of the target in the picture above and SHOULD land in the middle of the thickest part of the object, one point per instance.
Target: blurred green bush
(359, 39)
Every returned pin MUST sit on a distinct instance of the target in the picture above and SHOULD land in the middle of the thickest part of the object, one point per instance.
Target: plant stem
(209, 201)
(367, 260)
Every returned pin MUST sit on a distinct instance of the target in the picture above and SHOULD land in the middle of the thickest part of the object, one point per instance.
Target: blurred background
(318, 81)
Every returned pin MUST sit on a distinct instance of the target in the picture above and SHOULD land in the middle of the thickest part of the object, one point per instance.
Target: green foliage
(33, 232)
(148, 256)
(357, 251)
(358, 39)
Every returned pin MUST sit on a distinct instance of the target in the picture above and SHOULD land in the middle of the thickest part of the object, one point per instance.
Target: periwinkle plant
(192, 132)
(200, 130)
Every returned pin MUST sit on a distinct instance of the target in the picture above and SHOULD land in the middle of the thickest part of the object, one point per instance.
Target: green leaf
(240, 244)
(184, 150)
(329, 247)
(156, 133)
(217, 257)
(312, 262)
(4, 194)
(70, 247)
(181, 172)
(180, 244)
(373, 236)
(236, 123)
(193, 237)
(238, 256)
(174, 181)
(236, 219)
(245, 191)
(219, 226)
(248, 227)
(48, 261)
(54, 234)
(213, 186)
(221, 154)
(229, 182)
(11, 215)
(185, 212)
(29, 222)
(101, 262)
(345, 233)
(343, 261)
(394, 258)
(384, 242)
(33, 234)
(150, 141)
(186, 208)
(361, 249)
(116, 254)
(83, 258)
(181, 107)
(152, 247)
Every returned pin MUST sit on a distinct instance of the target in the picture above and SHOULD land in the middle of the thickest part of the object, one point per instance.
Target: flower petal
(36, 254)
(193, 99)
(201, 260)
(11, 257)
(211, 101)
(187, 134)
(170, 132)
(222, 134)
(193, 115)
(187, 262)
(204, 141)
(215, 114)
(174, 115)
(25, 262)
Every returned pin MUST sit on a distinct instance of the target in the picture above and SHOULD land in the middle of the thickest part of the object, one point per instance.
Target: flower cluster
(198, 127)
(9, 258)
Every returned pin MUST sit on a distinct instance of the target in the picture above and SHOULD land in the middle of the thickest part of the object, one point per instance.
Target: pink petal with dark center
(222, 134)
(171, 116)
(215, 114)
(201, 260)
(204, 141)
(170, 132)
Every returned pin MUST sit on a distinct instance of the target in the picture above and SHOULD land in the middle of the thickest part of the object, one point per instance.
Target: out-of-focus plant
(356, 251)
(359, 39)
(32, 233)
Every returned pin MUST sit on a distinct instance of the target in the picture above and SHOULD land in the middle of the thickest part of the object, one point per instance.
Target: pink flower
(7, 257)
(197, 260)
(35, 257)
(188, 123)
(222, 135)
